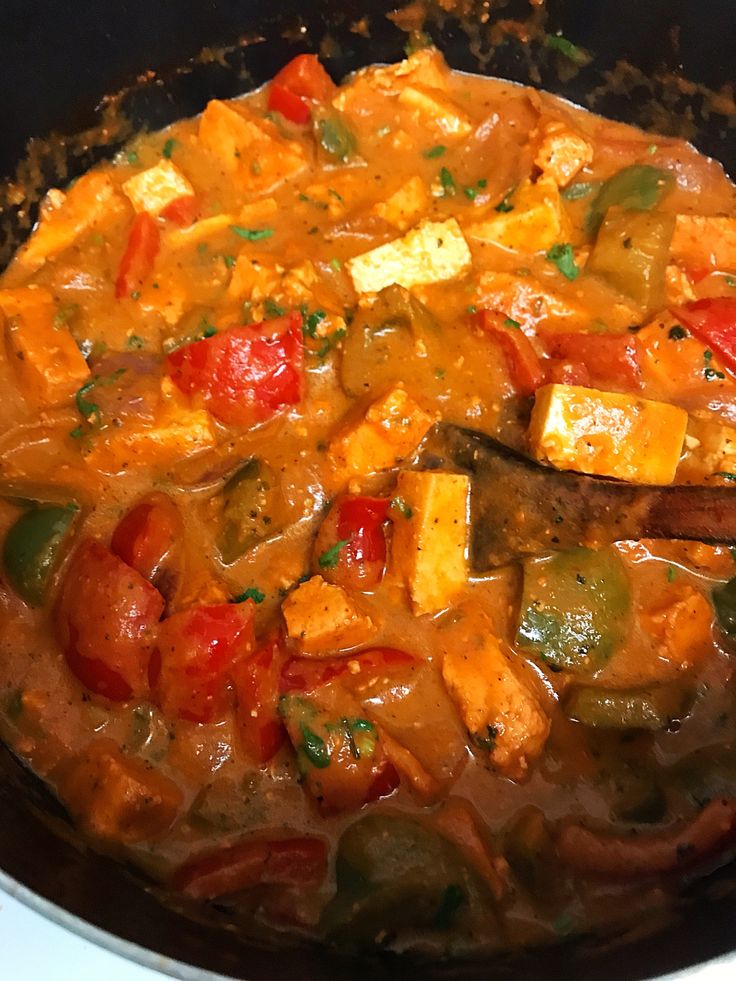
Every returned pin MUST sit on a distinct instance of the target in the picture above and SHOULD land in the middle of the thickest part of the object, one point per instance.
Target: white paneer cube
(153, 189)
(405, 205)
(321, 618)
(705, 241)
(562, 153)
(433, 252)
(535, 222)
(438, 114)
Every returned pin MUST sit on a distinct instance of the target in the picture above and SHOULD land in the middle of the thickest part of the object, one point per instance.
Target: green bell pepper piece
(636, 188)
(640, 708)
(573, 608)
(32, 547)
(631, 252)
(335, 137)
(724, 601)
(247, 505)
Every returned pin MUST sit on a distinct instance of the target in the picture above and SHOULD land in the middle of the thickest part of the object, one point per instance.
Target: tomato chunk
(257, 680)
(148, 535)
(197, 651)
(304, 76)
(279, 861)
(243, 375)
(307, 674)
(608, 359)
(350, 549)
(524, 365)
(106, 624)
(182, 211)
(291, 106)
(713, 321)
(139, 256)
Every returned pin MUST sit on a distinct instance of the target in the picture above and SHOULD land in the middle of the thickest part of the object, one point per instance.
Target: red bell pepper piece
(713, 321)
(198, 649)
(106, 622)
(148, 534)
(357, 523)
(182, 211)
(304, 76)
(291, 106)
(280, 861)
(243, 375)
(139, 256)
(558, 372)
(524, 365)
(257, 682)
(308, 674)
(609, 359)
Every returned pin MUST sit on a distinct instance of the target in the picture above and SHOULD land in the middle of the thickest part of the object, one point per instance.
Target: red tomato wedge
(147, 534)
(304, 76)
(355, 524)
(257, 682)
(106, 622)
(291, 106)
(307, 674)
(140, 254)
(608, 359)
(244, 375)
(197, 652)
(284, 861)
(525, 367)
(182, 211)
(713, 321)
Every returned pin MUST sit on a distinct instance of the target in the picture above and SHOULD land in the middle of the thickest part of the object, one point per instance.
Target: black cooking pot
(58, 62)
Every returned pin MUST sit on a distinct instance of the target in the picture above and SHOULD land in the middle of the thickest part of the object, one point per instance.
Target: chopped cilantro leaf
(671, 573)
(510, 322)
(330, 558)
(272, 309)
(252, 593)
(727, 476)
(335, 264)
(135, 342)
(310, 322)
(132, 158)
(314, 748)
(251, 234)
(472, 308)
(563, 257)
(449, 188)
(400, 505)
(434, 152)
(504, 206)
(229, 261)
(169, 147)
(556, 42)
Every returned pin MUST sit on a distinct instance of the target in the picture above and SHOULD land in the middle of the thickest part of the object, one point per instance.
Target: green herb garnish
(330, 558)
(251, 234)
(314, 748)
(504, 205)
(169, 147)
(252, 593)
(510, 322)
(563, 257)
(434, 152)
(449, 188)
(400, 505)
(271, 309)
(556, 42)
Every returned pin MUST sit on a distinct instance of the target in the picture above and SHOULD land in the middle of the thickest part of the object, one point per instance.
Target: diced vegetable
(631, 252)
(429, 550)
(305, 77)
(636, 188)
(149, 537)
(713, 321)
(257, 680)
(182, 211)
(536, 221)
(433, 252)
(357, 523)
(435, 112)
(608, 359)
(138, 259)
(244, 374)
(607, 434)
(562, 152)
(392, 429)
(291, 106)
(724, 601)
(44, 353)
(322, 618)
(157, 188)
(406, 205)
(574, 608)
(501, 712)
(253, 862)
(32, 547)
(247, 509)
(646, 708)
(705, 242)
(525, 368)
(118, 798)
(358, 672)
(335, 137)
(107, 620)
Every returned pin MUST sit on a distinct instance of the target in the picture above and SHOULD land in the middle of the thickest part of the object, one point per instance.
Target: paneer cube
(703, 242)
(433, 252)
(406, 205)
(44, 354)
(607, 434)
(711, 449)
(193, 235)
(436, 113)
(530, 302)
(249, 147)
(537, 220)
(430, 537)
(424, 68)
(393, 427)
(153, 189)
(255, 276)
(683, 631)
(323, 618)
(92, 199)
(562, 152)
(501, 711)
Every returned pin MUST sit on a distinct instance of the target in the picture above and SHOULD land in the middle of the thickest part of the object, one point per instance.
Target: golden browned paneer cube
(537, 220)
(501, 711)
(393, 427)
(607, 434)
(248, 146)
(153, 189)
(92, 199)
(562, 152)
(430, 537)
(711, 449)
(44, 354)
(704, 241)
(323, 618)
(438, 114)
(433, 252)
(405, 205)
